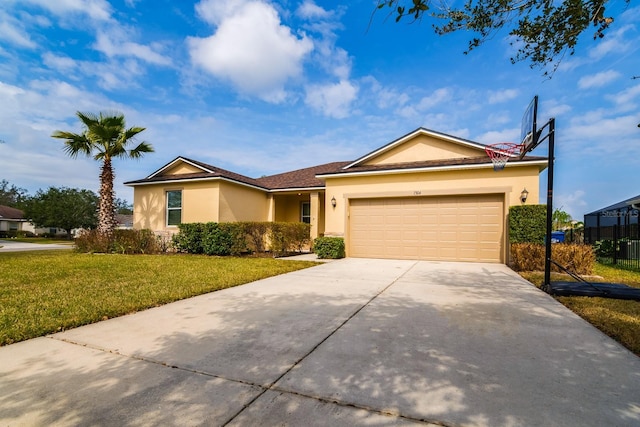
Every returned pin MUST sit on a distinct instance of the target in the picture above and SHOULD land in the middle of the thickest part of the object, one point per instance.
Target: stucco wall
(425, 147)
(510, 181)
(239, 203)
(199, 204)
(181, 168)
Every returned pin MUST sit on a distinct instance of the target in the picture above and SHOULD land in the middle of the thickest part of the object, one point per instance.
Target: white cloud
(494, 137)
(250, 48)
(215, 11)
(628, 99)
(62, 64)
(12, 31)
(426, 103)
(99, 10)
(572, 203)
(333, 100)
(612, 42)
(496, 97)
(555, 110)
(112, 46)
(384, 97)
(308, 10)
(598, 79)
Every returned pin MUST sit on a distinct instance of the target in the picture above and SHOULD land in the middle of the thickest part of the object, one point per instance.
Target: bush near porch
(235, 238)
(329, 247)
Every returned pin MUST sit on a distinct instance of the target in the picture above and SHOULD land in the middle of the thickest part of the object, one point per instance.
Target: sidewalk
(13, 246)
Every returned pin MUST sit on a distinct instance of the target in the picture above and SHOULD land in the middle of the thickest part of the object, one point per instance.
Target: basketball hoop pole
(547, 249)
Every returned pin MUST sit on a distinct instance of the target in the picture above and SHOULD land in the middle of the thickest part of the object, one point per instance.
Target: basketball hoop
(501, 152)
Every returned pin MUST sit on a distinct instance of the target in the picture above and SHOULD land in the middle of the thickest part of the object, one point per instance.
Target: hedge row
(531, 256)
(528, 223)
(122, 242)
(235, 238)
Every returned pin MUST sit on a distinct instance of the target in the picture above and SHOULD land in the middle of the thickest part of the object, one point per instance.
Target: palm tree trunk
(106, 214)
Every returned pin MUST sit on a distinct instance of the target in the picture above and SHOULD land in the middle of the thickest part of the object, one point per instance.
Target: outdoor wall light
(333, 202)
(524, 195)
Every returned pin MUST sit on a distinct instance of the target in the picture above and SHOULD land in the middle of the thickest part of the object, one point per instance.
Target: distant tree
(123, 207)
(545, 30)
(65, 208)
(106, 137)
(561, 219)
(10, 195)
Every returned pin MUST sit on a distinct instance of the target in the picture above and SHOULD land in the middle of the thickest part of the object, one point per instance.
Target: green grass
(620, 319)
(43, 292)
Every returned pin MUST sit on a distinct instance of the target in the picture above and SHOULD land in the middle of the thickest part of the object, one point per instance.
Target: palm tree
(104, 137)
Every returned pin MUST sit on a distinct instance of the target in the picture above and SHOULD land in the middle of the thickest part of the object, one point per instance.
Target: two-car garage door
(445, 228)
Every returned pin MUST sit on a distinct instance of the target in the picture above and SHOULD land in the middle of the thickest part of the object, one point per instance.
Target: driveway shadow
(453, 347)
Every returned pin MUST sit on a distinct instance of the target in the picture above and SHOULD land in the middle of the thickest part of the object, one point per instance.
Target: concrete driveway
(352, 342)
(13, 246)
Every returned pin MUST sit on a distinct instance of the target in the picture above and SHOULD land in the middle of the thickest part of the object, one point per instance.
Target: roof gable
(10, 213)
(421, 145)
(183, 169)
(181, 166)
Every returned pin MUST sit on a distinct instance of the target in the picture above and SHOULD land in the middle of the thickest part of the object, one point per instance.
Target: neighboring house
(124, 222)
(617, 221)
(11, 220)
(621, 213)
(426, 195)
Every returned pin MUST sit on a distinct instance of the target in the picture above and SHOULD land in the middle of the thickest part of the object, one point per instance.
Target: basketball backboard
(528, 129)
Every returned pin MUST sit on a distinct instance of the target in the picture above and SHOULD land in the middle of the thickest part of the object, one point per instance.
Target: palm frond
(143, 147)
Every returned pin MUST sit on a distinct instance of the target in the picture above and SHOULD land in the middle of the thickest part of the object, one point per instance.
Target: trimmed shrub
(90, 241)
(329, 247)
(135, 242)
(223, 239)
(285, 237)
(123, 242)
(189, 238)
(256, 235)
(235, 238)
(527, 224)
(530, 257)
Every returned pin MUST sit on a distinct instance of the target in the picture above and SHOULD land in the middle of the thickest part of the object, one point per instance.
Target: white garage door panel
(452, 228)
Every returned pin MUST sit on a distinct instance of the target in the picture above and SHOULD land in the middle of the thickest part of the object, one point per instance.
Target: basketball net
(501, 152)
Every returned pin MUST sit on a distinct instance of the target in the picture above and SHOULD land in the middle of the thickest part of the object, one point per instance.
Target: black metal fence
(616, 244)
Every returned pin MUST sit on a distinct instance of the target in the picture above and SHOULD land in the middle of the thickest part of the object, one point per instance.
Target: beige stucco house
(426, 195)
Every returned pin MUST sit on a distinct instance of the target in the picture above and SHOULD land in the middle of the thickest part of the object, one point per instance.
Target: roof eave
(430, 169)
(211, 178)
(284, 190)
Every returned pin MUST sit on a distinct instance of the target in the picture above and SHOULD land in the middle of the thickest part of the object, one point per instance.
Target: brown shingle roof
(11, 213)
(306, 177)
(301, 178)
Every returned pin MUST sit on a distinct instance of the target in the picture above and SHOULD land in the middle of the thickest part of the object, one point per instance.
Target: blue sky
(261, 87)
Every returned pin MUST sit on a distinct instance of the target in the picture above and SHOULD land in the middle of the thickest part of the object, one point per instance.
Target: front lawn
(50, 291)
(620, 319)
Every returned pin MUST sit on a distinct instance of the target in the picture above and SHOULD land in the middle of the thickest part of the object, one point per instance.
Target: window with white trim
(174, 207)
(305, 212)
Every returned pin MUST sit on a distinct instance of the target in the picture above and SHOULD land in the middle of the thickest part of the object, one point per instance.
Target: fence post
(615, 244)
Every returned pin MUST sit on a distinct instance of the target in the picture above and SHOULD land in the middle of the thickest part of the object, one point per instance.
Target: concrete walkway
(352, 342)
(13, 246)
